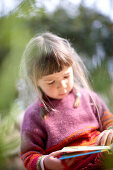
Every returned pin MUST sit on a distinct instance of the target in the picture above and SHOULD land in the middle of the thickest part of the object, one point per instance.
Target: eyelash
(65, 77)
(51, 83)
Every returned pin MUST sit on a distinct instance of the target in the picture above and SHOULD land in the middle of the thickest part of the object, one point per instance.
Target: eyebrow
(66, 73)
(53, 79)
(49, 80)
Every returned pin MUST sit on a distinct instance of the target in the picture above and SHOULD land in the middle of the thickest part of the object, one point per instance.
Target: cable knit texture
(64, 127)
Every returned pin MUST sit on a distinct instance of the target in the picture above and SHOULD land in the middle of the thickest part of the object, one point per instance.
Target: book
(75, 151)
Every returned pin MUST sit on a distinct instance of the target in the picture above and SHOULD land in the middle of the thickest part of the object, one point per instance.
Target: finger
(104, 138)
(50, 162)
(56, 153)
(69, 161)
(99, 139)
(109, 138)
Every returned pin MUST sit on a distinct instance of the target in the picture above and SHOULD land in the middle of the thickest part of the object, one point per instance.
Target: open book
(75, 151)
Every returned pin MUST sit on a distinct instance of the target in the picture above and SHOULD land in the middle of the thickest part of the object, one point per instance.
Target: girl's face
(57, 85)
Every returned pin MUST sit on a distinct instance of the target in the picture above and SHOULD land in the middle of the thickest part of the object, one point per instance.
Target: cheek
(52, 88)
(46, 89)
(71, 85)
(49, 89)
(71, 82)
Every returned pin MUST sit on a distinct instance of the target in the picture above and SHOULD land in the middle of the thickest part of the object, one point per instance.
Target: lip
(62, 94)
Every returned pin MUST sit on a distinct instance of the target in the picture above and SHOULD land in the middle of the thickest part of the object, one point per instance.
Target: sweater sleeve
(102, 112)
(33, 137)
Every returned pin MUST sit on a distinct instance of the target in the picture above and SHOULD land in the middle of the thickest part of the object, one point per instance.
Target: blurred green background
(89, 31)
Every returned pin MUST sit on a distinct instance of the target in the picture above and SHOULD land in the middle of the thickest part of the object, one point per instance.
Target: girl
(67, 112)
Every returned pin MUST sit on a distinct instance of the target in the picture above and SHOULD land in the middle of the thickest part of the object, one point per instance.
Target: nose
(62, 84)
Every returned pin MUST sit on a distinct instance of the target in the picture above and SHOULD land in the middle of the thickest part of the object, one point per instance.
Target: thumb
(57, 153)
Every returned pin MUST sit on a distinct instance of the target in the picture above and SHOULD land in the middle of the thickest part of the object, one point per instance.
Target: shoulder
(94, 98)
(85, 93)
(89, 95)
(32, 115)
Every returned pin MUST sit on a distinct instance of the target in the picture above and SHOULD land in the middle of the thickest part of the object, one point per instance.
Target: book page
(84, 148)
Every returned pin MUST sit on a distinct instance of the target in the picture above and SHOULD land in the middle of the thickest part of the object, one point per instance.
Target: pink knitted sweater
(63, 127)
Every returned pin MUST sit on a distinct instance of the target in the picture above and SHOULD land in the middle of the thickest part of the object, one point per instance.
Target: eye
(52, 82)
(66, 77)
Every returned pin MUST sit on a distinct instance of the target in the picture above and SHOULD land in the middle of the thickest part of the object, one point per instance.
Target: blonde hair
(48, 53)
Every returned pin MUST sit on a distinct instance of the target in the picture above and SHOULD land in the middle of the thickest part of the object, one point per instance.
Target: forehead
(66, 70)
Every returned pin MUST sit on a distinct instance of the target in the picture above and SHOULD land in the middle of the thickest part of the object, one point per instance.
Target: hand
(52, 162)
(105, 138)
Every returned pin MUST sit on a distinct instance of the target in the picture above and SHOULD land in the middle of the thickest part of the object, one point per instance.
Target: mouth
(62, 94)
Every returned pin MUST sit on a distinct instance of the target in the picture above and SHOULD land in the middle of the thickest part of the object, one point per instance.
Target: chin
(61, 97)
(57, 97)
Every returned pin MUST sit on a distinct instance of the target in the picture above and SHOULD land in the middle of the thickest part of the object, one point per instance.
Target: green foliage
(101, 78)
(9, 136)
(16, 36)
(102, 83)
